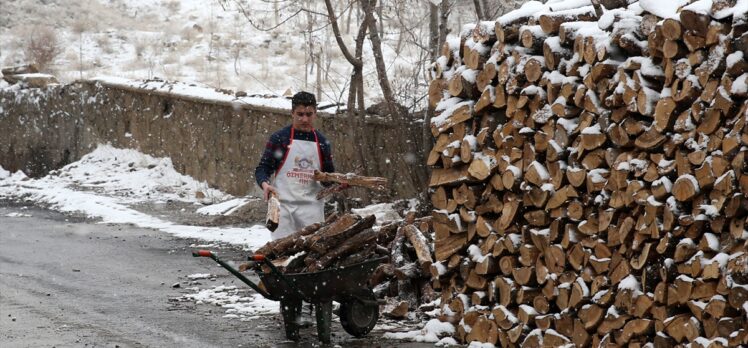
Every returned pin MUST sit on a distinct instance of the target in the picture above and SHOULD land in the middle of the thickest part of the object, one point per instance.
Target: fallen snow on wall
(195, 90)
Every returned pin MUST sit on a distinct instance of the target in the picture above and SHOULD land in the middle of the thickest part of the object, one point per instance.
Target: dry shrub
(140, 46)
(173, 6)
(105, 43)
(42, 47)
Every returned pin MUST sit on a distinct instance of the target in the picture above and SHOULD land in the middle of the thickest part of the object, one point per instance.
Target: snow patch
(431, 332)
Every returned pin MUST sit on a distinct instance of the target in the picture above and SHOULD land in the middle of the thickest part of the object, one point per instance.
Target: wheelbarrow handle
(232, 270)
(203, 253)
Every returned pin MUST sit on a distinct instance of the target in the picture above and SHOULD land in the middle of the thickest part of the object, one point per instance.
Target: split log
(351, 179)
(360, 240)
(551, 22)
(324, 241)
(273, 214)
(419, 242)
(286, 245)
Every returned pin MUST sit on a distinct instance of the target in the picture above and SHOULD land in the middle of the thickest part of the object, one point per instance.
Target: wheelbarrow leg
(324, 320)
(291, 311)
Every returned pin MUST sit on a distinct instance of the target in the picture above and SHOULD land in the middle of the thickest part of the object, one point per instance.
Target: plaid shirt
(276, 149)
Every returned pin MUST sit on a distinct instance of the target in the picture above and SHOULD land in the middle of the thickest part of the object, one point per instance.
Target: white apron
(297, 190)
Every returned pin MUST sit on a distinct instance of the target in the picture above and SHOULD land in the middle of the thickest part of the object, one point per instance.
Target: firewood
(532, 37)
(486, 76)
(483, 330)
(356, 242)
(616, 151)
(682, 327)
(351, 179)
(452, 244)
(551, 22)
(286, 245)
(450, 176)
(436, 90)
(321, 243)
(397, 310)
(358, 257)
(273, 212)
(460, 114)
(423, 251)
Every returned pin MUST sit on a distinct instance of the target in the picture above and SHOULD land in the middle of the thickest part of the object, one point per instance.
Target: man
(288, 163)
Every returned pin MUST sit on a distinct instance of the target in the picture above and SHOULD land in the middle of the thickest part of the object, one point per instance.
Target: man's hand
(266, 189)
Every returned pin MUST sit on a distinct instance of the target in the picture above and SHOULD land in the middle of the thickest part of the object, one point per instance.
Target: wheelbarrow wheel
(359, 317)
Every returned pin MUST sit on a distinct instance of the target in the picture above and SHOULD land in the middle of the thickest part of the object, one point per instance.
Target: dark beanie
(304, 99)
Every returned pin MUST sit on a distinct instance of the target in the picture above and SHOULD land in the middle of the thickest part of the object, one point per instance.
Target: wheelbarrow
(347, 285)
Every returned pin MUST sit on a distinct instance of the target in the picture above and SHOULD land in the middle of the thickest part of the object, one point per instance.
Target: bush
(42, 47)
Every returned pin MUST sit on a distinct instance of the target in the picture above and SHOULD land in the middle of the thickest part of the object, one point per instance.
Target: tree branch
(355, 61)
(376, 46)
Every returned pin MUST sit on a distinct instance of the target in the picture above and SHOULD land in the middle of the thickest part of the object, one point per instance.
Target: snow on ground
(431, 332)
(105, 183)
(133, 177)
(234, 301)
(224, 208)
(17, 215)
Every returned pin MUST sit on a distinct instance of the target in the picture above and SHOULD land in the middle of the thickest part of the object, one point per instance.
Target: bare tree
(356, 89)
(395, 110)
(480, 10)
(80, 26)
(43, 47)
(237, 45)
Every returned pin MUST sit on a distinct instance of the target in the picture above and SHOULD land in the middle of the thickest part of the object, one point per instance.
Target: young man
(288, 163)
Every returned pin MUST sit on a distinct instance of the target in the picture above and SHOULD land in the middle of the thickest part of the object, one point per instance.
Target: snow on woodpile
(588, 175)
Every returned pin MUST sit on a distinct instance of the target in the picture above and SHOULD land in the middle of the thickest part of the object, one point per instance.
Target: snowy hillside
(214, 43)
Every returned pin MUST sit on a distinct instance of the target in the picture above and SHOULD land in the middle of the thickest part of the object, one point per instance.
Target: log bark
(351, 179)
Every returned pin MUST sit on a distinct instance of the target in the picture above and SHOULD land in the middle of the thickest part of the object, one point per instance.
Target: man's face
(303, 117)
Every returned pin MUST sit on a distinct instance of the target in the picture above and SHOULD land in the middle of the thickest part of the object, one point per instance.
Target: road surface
(69, 282)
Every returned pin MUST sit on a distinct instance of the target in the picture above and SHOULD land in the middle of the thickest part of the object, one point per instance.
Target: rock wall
(43, 129)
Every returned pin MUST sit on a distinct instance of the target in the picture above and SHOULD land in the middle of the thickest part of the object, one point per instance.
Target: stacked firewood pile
(349, 239)
(589, 178)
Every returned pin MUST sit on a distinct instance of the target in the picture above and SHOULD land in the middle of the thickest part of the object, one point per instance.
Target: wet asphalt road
(68, 282)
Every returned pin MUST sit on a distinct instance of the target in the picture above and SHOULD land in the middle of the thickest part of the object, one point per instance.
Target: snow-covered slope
(201, 41)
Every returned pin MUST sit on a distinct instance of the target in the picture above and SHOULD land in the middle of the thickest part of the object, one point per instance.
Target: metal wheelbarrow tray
(347, 285)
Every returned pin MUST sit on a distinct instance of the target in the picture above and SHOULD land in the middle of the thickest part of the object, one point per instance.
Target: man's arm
(269, 162)
(326, 149)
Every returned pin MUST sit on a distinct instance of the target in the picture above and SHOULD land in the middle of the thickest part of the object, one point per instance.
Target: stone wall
(218, 142)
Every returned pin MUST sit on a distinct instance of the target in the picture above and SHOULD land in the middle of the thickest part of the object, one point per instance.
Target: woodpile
(589, 175)
(324, 245)
(349, 239)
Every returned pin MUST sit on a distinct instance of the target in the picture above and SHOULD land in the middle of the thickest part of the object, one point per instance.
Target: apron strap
(290, 141)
